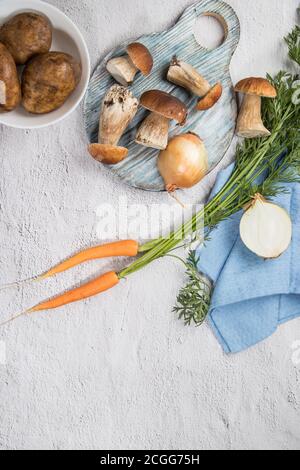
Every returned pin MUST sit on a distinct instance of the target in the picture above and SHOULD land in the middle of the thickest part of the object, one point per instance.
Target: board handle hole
(210, 30)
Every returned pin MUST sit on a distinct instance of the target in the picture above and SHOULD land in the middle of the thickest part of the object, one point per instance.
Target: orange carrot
(122, 248)
(101, 284)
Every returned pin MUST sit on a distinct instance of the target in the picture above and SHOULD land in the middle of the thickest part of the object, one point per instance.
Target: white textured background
(118, 371)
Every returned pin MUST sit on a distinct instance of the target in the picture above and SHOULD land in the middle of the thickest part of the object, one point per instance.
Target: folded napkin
(251, 296)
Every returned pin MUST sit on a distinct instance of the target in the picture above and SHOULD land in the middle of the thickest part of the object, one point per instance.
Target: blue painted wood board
(216, 126)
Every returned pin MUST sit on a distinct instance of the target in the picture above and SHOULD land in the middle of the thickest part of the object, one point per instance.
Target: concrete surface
(119, 371)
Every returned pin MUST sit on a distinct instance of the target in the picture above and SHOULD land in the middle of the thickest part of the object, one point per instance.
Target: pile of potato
(48, 78)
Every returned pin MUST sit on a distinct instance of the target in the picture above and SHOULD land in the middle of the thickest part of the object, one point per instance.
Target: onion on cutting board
(184, 163)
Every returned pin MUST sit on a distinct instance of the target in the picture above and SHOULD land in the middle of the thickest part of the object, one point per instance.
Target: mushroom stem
(183, 74)
(154, 132)
(122, 70)
(118, 109)
(250, 123)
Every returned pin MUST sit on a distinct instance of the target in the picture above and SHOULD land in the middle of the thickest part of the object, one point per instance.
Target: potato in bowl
(10, 89)
(26, 35)
(48, 80)
(67, 38)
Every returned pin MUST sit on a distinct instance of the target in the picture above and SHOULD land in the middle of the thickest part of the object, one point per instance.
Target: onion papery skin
(266, 229)
(184, 163)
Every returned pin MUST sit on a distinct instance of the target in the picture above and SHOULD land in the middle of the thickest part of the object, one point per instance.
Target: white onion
(184, 162)
(266, 229)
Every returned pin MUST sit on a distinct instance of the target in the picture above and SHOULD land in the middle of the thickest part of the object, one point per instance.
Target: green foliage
(194, 299)
(293, 42)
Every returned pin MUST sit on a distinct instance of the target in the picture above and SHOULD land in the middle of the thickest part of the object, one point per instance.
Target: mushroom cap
(211, 98)
(165, 104)
(256, 86)
(108, 154)
(141, 57)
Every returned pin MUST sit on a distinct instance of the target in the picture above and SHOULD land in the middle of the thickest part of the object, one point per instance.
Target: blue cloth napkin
(251, 296)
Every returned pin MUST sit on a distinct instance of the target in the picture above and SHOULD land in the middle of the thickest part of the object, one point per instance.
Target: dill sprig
(293, 42)
(194, 299)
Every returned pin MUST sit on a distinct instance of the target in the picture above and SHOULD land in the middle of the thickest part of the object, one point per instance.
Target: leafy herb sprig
(293, 42)
(194, 300)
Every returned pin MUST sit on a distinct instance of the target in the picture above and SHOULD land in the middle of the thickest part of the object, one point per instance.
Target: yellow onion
(184, 162)
(266, 229)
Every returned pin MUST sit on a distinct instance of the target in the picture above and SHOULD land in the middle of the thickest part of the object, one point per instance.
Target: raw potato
(48, 80)
(26, 35)
(10, 88)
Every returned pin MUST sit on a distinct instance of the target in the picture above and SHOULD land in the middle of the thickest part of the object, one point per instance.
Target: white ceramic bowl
(66, 38)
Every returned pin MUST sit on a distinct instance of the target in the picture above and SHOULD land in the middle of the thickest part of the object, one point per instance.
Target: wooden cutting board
(216, 126)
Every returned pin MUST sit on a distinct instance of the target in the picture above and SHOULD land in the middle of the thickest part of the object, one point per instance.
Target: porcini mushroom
(109, 154)
(211, 98)
(250, 122)
(183, 74)
(124, 69)
(164, 107)
(118, 109)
